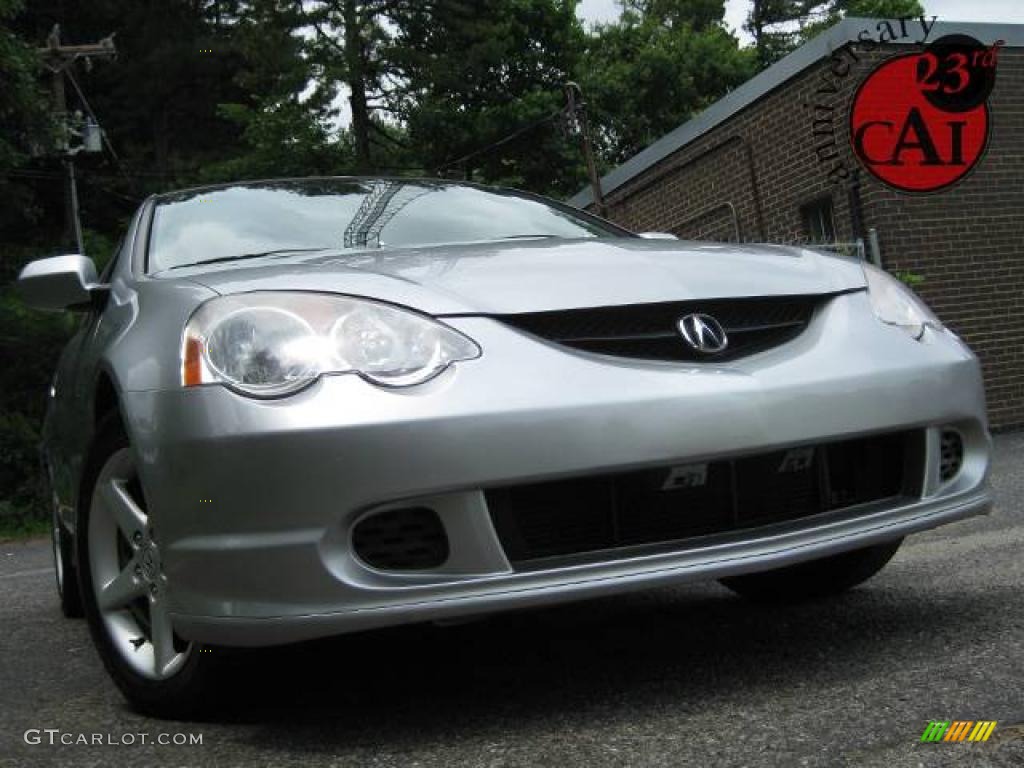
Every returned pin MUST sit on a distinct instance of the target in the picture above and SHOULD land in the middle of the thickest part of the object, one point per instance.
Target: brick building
(759, 165)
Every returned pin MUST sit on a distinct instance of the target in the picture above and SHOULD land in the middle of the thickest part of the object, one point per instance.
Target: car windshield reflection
(266, 218)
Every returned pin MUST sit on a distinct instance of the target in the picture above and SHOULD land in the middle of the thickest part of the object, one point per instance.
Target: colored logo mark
(920, 122)
(958, 730)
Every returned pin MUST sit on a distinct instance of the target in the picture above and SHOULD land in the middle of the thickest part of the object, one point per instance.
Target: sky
(1009, 11)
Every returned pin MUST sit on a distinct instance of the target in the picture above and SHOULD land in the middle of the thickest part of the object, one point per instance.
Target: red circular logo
(920, 122)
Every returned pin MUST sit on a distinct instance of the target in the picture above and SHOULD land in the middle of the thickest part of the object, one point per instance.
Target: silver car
(307, 407)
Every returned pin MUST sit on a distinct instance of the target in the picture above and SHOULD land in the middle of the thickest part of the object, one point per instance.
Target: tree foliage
(467, 79)
(285, 113)
(656, 67)
(351, 44)
(24, 115)
(779, 26)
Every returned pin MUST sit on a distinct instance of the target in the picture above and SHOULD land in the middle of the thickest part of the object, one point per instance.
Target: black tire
(826, 577)
(65, 573)
(180, 696)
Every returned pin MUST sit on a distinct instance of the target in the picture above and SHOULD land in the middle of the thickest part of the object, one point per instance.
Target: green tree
(774, 26)
(779, 26)
(24, 118)
(647, 73)
(176, 61)
(352, 47)
(469, 76)
(286, 113)
(27, 341)
(872, 9)
(25, 126)
(698, 14)
(157, 103)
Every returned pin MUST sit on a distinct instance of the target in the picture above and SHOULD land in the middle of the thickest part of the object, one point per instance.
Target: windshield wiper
(524, 237)
(241, 256)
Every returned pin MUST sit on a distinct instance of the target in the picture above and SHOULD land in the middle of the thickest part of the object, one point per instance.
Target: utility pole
(576, 117)
(59, 59)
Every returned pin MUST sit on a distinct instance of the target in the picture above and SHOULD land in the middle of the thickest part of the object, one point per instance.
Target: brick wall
(755, 170)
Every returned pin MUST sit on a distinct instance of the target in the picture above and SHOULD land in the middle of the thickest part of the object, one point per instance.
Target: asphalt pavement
(672, 677)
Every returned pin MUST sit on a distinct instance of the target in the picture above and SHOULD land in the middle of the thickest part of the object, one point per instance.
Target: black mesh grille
(674, 504)
(410, 538)
(951, 455)
(650, 331)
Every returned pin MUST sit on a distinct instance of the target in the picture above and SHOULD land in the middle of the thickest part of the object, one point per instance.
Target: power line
(103, 133)
(92, 174)
(575, 116)
(88, 109)
(500, 142)
(26, 174)
(91, 180)
(59, 59)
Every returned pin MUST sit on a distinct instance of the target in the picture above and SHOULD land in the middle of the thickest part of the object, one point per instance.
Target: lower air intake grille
(580, 517)
(410, 538)
(650, 331)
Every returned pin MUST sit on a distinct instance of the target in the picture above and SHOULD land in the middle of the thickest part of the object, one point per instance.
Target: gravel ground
(672, 677)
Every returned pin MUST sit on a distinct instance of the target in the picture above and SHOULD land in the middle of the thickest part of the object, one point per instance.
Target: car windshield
(249, 220)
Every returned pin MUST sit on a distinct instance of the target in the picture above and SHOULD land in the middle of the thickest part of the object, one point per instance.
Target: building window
(819, 224)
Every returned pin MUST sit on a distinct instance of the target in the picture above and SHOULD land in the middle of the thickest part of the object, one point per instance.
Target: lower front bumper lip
(535, 589)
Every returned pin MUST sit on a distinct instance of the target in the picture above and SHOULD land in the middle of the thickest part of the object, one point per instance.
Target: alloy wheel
(127, 577)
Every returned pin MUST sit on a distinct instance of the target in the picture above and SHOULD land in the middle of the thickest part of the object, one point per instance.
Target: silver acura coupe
(306, 407)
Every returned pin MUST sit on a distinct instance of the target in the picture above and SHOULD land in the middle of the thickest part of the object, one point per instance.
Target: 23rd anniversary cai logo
(920, 122)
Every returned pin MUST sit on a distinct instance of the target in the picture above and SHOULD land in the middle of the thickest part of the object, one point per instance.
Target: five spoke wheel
(127, 578)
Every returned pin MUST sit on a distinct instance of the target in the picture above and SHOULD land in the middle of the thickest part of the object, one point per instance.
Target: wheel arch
(104, 406)
(106, 398)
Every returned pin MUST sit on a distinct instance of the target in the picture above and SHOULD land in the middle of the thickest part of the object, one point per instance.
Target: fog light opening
(403, 539)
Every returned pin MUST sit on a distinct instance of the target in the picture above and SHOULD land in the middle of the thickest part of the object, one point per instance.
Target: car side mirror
(60, 282)
(657, 236)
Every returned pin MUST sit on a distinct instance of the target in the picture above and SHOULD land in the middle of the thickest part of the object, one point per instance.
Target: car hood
(537, 275)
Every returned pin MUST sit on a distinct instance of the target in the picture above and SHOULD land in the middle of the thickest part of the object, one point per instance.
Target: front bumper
(254, 501)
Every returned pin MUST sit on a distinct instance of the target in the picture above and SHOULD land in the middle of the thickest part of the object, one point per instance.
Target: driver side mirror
(60, 282)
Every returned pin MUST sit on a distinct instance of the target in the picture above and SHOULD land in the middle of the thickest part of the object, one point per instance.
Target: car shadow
(682, 647)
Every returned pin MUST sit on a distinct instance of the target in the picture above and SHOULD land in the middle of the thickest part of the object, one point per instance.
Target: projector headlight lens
(270, 344)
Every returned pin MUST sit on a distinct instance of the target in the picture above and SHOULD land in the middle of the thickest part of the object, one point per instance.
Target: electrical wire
(88, 179)
(103, 134)
(88, 108)
(28, 174)
(514, 135)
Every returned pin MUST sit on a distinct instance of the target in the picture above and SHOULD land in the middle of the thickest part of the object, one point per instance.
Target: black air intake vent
(650, 331)
(405, 539)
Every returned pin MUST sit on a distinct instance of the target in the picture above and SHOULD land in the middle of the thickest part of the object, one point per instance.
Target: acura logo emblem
(703, 333)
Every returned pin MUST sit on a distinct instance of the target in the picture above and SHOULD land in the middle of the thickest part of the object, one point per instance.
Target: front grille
(670, 505)
(409, 538)
(650, 331)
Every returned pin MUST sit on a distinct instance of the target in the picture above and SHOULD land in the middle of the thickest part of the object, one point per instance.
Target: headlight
(896, 304)
(267, 344)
